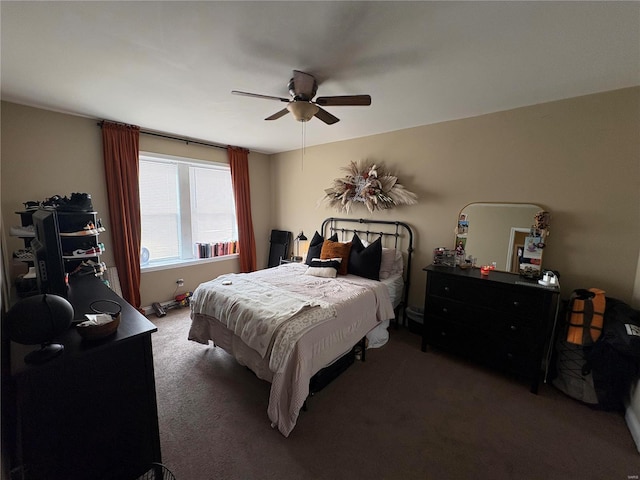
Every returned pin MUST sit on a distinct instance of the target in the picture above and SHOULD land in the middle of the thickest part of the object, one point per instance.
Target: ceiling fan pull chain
(304, 145)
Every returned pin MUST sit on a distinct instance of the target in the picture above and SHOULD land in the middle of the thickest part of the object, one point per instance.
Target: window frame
(185, 238)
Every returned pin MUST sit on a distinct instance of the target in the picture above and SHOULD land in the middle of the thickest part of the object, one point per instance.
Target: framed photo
(531, 259)
(531, 249)
(463, 224)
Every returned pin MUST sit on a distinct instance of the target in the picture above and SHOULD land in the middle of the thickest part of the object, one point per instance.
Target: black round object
(37, 319)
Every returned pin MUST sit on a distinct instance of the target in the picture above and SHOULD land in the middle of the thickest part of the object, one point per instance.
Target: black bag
(615, 357)
(622, 328)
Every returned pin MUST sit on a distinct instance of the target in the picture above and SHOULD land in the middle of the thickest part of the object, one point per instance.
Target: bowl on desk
(96, 332)
(103, 322)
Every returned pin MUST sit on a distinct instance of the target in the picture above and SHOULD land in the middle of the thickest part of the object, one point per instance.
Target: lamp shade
(37, 320)
(302, 111)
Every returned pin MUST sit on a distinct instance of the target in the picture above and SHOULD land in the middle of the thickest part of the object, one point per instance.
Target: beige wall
(578, 158)
(46, 153)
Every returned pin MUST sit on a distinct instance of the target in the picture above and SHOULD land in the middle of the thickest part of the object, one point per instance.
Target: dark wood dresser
(91, 412)
(501, 320)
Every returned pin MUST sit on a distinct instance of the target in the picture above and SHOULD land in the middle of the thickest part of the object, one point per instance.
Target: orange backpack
(585, 316)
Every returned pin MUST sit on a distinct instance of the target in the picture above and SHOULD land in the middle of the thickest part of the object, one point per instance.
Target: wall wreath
(370, 184)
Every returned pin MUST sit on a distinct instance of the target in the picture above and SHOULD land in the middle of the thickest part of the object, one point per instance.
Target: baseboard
(634, 426)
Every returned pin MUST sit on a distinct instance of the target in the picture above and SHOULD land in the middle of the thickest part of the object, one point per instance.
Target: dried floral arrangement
(369, 184)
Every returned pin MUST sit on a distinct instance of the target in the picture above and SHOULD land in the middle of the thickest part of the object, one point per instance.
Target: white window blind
(213, 208)
(183, 205)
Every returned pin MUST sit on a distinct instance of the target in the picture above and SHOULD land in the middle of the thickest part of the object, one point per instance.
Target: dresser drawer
(482, 318)
(516, 328)
(517, 302)
(453, 288)
(524, 301)
(449, 310)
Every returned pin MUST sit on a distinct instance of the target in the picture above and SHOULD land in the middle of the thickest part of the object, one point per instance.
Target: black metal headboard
(400, 233)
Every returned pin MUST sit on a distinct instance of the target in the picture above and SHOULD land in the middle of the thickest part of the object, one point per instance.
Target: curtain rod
(172, 137)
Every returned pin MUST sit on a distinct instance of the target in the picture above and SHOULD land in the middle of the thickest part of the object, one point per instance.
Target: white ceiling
(171, 66)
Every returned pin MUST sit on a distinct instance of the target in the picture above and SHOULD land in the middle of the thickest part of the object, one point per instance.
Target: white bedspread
(347, 308)
(251, 308)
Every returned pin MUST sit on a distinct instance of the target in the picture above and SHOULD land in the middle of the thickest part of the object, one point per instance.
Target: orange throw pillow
(332, 249)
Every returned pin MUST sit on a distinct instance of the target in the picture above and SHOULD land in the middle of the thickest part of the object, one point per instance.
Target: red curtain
(120, 144)
(239, 163)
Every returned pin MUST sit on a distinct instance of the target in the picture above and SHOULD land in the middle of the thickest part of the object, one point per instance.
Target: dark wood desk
(92, 411)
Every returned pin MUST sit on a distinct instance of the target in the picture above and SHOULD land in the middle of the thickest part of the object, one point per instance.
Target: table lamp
(302, 246)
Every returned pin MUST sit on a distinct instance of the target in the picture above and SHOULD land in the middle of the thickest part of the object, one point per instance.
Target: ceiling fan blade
(304, 85)
(326, 117)
(344, 100)
(257, 95)
(277, 115)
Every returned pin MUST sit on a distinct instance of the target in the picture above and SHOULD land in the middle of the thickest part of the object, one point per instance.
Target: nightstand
(291, 260)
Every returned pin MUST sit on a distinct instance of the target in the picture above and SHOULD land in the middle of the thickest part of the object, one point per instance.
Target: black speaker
(37, 320)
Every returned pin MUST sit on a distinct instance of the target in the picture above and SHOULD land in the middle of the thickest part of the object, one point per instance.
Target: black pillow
(315, 246)
(365, 262)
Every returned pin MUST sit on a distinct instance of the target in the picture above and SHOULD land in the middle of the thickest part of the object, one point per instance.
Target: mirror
(512, 235)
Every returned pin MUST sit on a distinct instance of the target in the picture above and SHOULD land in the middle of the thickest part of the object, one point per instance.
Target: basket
(157, 471)
(96, 332)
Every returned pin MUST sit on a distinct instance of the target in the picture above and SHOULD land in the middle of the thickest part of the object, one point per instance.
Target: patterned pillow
(324, 268)
(315, 246)
(365, 261)
(331, 249)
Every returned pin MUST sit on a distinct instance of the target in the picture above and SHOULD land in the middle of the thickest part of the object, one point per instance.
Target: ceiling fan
(302, 88)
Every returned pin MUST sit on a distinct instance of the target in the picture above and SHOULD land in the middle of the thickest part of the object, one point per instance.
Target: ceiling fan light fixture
(302, 111)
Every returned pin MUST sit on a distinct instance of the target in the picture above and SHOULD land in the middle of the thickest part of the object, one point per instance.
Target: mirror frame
(538, 228)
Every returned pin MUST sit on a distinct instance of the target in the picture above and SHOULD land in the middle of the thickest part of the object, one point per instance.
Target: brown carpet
(402, 414)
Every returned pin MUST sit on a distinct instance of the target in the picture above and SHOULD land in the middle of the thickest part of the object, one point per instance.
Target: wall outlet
(180, 282)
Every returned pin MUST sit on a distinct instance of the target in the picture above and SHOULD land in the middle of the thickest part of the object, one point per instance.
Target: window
(187, 210)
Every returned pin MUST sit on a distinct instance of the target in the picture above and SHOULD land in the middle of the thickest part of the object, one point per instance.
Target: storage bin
(416, 319)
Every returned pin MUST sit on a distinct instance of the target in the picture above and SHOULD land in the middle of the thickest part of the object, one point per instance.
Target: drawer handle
(447, 289)
(516, 303)
(444, 310)
(513, 328)
(510, 356)
(443, 334)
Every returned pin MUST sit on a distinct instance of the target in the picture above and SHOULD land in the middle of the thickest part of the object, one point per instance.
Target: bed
(291, 323)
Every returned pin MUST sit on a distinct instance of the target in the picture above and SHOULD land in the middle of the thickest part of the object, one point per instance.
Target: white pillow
(391, 263)
(327, 268)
